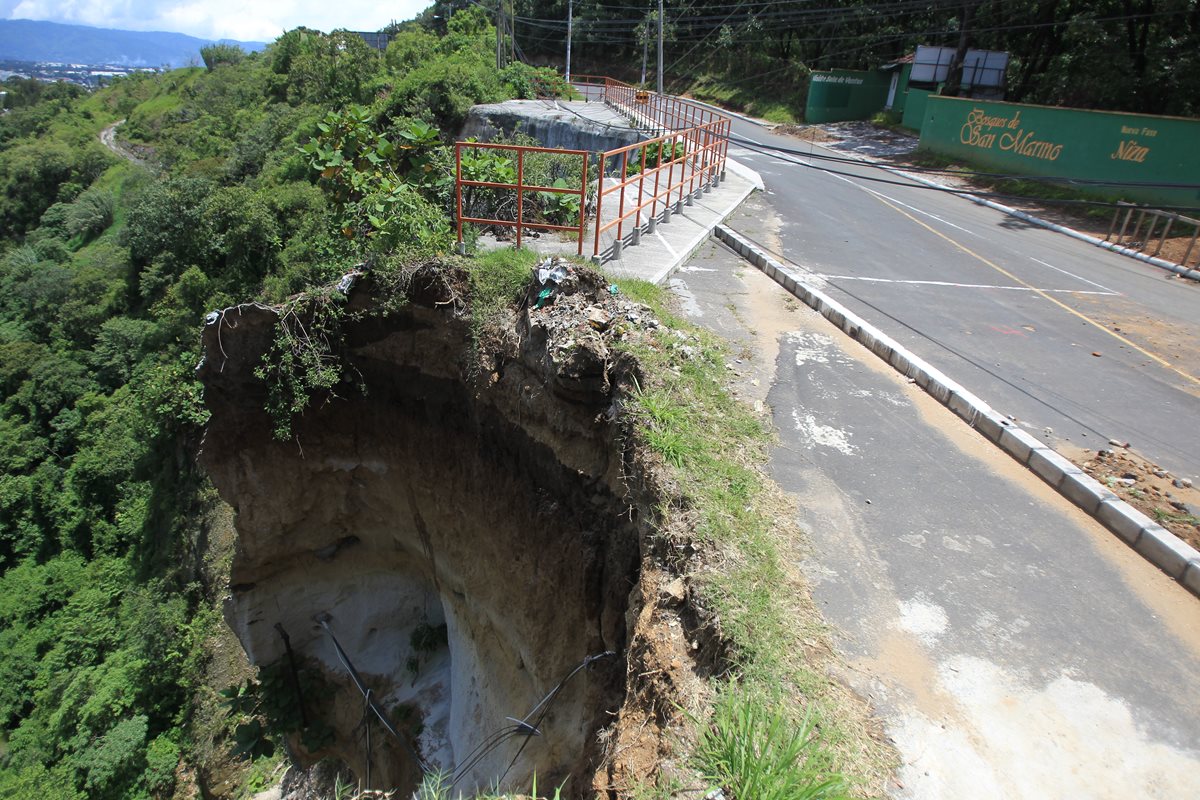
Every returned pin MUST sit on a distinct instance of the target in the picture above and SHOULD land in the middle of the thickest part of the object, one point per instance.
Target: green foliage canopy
(250, 171)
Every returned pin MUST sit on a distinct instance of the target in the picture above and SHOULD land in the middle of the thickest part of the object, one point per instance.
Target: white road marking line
(920, 211)
(667, 245)
(1073, 275)
(953, 285)
(1105, 290)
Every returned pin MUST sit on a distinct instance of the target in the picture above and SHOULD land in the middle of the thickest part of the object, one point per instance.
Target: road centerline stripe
(955, 285)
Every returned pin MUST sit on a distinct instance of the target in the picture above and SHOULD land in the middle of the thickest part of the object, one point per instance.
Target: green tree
(220, 53)
(90, 214)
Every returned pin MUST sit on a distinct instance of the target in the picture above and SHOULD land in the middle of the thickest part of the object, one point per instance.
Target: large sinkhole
(460, 525)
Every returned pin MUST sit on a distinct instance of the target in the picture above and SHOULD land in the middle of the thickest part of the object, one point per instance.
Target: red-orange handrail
(521, 188)
(700, 162)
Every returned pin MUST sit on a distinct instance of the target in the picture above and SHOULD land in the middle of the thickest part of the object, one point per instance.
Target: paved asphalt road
(1060, 334)
(1012, 647)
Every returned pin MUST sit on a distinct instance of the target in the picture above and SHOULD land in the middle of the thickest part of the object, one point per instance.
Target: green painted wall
(1068, 142)
(914, 108)
(901, 99)
(843, 94)
(902, 88)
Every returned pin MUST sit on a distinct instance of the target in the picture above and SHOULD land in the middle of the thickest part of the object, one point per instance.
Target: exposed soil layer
(809, 133)
(471, 528)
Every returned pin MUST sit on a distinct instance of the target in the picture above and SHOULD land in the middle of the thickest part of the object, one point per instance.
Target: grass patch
(715, 445)
(498, 277)
(1174, 517)
(889, 120)
(754, 750)
(436, 786)
(780, 102)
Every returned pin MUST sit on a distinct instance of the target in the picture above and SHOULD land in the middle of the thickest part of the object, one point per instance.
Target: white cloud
(217, 19)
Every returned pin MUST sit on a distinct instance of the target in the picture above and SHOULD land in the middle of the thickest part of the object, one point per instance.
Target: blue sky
(245, 20)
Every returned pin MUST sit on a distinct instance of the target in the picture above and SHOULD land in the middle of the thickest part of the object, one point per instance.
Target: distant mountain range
(30, 40)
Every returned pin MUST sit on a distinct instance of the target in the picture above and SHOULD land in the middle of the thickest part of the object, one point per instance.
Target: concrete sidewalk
(662, 247)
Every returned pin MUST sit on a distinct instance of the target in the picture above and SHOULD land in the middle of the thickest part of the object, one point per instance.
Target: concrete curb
(744, 172)
(1158, 545)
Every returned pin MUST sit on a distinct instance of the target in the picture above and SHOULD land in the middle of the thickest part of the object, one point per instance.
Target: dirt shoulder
(1171, 501)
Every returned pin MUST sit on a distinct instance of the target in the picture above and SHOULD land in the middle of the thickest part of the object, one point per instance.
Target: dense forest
(251, 177)
(1126, 55)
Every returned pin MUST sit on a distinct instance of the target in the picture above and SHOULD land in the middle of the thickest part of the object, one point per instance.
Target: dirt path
(108, 138)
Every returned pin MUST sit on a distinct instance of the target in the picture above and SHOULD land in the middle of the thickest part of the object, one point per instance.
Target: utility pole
(570, 22)
(645, 49)
(660, 40)
(499, 51)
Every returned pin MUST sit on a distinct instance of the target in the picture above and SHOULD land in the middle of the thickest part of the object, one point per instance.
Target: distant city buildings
(91, 76)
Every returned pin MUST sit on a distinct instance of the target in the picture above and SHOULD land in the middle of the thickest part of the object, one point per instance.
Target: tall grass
(754, 750)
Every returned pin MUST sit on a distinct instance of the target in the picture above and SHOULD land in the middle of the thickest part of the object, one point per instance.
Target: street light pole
(570, 21)
(660, 42)
(499, 51)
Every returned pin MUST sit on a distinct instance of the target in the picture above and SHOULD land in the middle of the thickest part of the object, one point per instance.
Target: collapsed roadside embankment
(469, 513)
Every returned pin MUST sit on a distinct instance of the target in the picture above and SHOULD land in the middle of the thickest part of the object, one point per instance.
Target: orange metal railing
(696, 141)
(687, 155)
(521, 189)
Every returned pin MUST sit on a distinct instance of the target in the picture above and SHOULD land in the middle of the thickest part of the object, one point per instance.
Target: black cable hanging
(323, 621)
(528, 726)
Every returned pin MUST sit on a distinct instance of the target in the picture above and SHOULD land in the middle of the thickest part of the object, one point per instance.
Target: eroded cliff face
(485, 492)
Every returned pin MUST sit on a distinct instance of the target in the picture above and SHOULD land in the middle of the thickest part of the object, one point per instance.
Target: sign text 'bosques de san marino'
(1132, 151)
(986, 132)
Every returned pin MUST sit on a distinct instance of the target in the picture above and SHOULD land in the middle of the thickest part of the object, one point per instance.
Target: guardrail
(520, 188)
(1154, 217)
(696, 141)
(648, 180)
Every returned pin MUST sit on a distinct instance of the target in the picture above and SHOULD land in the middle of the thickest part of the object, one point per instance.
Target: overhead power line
(1058, 179)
